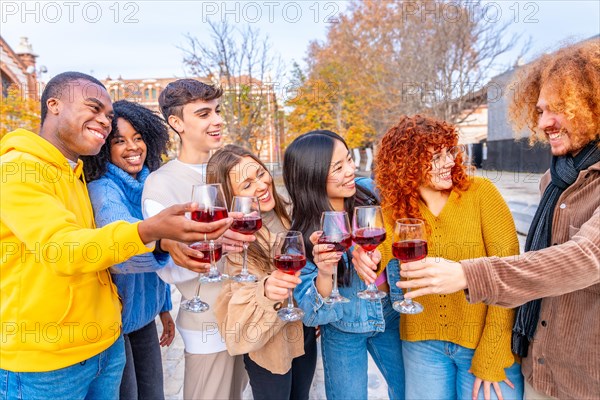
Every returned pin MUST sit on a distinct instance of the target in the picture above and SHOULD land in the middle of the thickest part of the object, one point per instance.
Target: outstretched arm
(512, 281)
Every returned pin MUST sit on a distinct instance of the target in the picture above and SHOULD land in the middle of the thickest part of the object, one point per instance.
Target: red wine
(410, 250)
(341, 242)
(210, 214)
(369, 238)
(204, 247)
(246, 225)
(290, 263)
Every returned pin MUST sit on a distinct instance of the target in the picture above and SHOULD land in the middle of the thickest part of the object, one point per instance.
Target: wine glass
(336, 231)
(211, 207)
(368, 231)
(248, 223)
(290, 257)
(211, 253)
(410, 244)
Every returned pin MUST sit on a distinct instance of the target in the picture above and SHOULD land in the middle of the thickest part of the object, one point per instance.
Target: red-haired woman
(452, 349)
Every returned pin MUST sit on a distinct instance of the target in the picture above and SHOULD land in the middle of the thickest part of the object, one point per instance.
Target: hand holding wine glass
(290, 257)
(278, 283)
(247, 223)
(366, 266)
(410, 244)
(336, 232)
(211, 207)
(368, 232)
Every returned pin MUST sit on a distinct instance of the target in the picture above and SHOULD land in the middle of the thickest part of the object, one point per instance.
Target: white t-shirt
(209, 340)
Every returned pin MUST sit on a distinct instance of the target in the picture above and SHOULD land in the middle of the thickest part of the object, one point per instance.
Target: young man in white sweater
(192, 109)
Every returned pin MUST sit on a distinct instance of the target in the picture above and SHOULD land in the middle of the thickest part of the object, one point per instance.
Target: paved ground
(520, 190)
(173, 365)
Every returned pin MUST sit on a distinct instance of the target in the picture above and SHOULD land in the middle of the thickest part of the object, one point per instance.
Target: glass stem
(198, 290)
(290, 304)
(245, 259)
(334, 289)
(371, 286)
(408, 301)
(213, 266)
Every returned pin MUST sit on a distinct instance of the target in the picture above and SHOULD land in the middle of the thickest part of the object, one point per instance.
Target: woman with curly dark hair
(151, 128)
(132, 150)
(452, 349)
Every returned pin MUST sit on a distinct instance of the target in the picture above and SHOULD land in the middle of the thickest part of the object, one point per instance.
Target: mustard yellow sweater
(475, 223)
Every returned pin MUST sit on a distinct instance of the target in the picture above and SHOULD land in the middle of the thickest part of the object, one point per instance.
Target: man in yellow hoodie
(60, 314)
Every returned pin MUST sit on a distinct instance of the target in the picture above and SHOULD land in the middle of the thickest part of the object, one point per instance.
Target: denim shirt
(356, 316)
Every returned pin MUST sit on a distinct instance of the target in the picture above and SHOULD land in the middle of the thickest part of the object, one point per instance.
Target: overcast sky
(140, 39)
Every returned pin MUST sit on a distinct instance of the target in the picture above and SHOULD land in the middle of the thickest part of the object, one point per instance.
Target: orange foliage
(18, 111)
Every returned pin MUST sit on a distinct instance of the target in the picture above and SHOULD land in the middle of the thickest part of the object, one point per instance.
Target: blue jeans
(97, 377)
(345, 358)
(437, 369)
(143, 374)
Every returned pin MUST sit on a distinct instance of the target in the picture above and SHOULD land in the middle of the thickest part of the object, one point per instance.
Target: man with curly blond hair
(557, 282)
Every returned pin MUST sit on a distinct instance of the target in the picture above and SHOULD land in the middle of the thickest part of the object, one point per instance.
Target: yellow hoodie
(58, 305)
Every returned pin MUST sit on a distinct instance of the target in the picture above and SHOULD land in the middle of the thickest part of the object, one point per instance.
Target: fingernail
(330, 247)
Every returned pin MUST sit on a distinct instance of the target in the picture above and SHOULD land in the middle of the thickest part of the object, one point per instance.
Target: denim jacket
(357, 316)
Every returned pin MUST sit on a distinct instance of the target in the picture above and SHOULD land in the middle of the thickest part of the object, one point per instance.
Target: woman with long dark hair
(319, 175)
(280, 356)
(132, 150)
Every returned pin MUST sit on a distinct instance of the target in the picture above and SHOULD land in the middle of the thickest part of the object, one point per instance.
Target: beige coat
(248, 320)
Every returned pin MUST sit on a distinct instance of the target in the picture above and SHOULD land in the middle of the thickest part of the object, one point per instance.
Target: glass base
(194, 305)
(371, 295)
(407, 307)
(335, 298)
(213, 278)
(244, 278)
(290, 314)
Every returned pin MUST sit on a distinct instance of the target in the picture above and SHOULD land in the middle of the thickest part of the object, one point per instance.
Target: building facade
(267, 138)
(18, 68)
(508, 150)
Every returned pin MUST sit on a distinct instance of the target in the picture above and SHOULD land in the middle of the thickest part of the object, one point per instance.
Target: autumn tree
(405, 57)
(18, 111)
(323, 102)
(242, 62)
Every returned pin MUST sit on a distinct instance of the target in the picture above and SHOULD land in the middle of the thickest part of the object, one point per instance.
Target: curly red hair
(573, 75)
(403, 162)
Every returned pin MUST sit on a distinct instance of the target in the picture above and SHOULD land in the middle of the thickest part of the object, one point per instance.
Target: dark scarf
(564, 171)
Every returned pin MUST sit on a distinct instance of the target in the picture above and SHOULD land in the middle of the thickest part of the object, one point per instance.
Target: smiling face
(340, 180)
(249, 178)
(81, 119)
(127, 148)
(555, 125)
(200, 126)
(442, 162)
